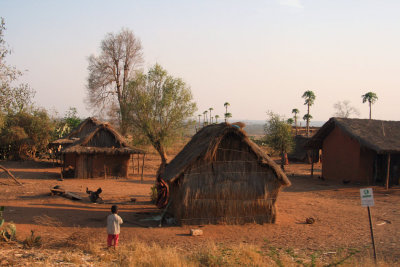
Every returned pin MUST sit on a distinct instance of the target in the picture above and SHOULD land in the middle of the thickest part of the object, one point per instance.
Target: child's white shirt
(113, 222)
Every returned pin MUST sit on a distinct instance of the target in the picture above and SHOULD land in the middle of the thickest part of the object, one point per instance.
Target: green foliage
(369, 97)
(309, 98)
(278, 134)
(307, 117)
(290, 121)
(32, 240)
(25, 133)
(68, 123)
(159, 107)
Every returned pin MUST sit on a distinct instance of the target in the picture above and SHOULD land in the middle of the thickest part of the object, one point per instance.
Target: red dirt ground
(341, 222)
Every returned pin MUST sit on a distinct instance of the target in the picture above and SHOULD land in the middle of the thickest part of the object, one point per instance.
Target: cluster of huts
(221, 176)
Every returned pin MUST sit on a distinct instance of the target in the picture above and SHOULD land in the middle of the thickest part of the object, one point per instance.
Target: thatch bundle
(221, 176)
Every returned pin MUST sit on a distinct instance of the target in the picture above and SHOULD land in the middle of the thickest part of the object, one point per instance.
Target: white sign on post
(367, 197)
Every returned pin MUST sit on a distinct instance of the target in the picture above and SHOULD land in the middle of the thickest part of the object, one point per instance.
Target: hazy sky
(256, 55)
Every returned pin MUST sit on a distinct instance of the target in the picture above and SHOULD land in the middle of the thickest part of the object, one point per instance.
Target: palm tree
(371, 97)
(309, 98)
(210, 109)
(227, 116)
(216, 118)
(205, 117)
(199, 119)
(226, 104)
(295, 111)
(290, 121)
(307, 117)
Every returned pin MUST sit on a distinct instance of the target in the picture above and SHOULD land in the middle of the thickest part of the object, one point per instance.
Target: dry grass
(84, 250)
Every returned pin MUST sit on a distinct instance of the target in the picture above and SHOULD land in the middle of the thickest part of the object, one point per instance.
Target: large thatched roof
(381, 136)
(101, 139)
(204, 145)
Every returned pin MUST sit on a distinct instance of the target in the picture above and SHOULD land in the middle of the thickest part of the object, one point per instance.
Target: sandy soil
(341, 222)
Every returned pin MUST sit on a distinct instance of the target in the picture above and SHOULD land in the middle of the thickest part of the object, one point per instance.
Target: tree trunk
(124, 118)
(160, 149)
(308, 121)
(295, 123)
(369, 110)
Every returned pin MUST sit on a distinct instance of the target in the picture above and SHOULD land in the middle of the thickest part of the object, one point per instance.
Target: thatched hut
(101, 152)
(359, 150)
(221, 176)
(302, 154)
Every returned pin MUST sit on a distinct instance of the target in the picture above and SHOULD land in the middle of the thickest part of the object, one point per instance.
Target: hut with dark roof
(221, 176)
(97, 150)
(359, 150)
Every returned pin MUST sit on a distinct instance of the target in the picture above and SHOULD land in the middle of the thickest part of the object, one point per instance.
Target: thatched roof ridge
(76, 131)
(204, 144)
(381, 136)
(81, 145)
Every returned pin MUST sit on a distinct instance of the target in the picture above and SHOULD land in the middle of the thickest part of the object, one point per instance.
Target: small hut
(221, 176)
(101, 152)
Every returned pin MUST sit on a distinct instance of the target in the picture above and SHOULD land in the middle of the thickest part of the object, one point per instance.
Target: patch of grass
(33, 240)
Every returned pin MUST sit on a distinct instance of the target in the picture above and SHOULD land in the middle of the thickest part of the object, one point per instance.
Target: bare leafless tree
(120, 57)
(345, 110)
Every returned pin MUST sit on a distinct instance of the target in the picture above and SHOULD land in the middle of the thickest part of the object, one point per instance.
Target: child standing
(113, 229)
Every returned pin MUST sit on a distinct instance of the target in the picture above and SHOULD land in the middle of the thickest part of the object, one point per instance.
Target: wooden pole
(10, 174)
(312, 163)
(144, 155)
(388, 172)
(372, 233)
(133, 163)
(138, 165)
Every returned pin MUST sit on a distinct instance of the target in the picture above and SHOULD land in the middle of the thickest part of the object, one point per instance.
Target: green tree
(109, 73)
(295, 111)
(210, 109)
(290, 121)
(205, 120)
(26, 133)
(67, 123)
(279, 136)
(216, 118)
(371, 97)
(309, 98)
(307, 117)
(227, 115)
(159, 107)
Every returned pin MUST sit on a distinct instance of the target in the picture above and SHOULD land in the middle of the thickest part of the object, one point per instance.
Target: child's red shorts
(110, 238)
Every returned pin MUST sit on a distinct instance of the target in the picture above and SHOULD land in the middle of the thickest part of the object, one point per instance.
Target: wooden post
(312, 163)
(105, 171)
(372, 232)
(388, 172)
(133, 163)
(138, 165)
(144, 155)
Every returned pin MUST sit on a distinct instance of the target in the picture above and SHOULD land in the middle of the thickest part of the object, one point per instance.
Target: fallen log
(10, 174)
